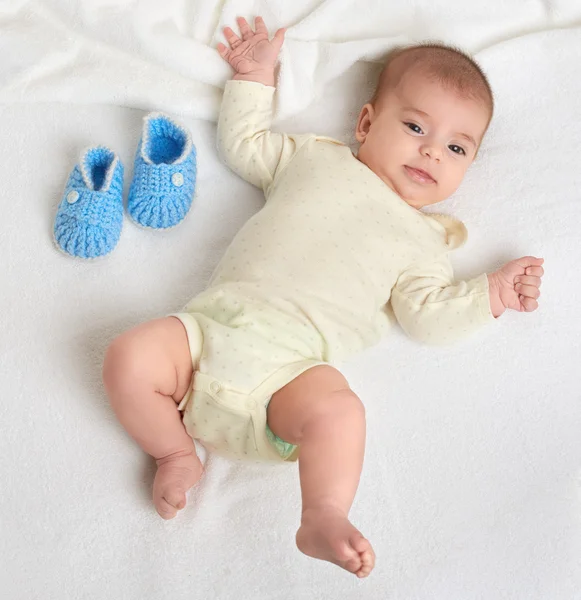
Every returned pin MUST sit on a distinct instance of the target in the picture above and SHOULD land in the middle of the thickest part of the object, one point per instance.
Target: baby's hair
(448, 65)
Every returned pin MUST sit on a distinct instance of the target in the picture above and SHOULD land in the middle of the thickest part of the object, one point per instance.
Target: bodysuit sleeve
(434, 309)
(245, 141)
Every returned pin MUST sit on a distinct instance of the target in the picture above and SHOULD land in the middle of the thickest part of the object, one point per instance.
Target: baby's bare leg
(147, 370)
(319, 412)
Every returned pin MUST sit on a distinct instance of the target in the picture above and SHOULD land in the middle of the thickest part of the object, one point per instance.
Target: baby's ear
(366, 116)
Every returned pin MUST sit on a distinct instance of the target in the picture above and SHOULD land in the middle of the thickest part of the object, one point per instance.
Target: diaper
(228, 414)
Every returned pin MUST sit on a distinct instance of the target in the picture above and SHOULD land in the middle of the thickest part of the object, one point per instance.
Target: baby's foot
(327, 534)
(176, 474)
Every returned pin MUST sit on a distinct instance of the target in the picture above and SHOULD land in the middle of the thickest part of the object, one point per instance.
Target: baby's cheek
(447, 185)
(457, 176)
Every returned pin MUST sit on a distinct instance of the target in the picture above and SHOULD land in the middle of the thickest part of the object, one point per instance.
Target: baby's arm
(245, 141)
(433, 308)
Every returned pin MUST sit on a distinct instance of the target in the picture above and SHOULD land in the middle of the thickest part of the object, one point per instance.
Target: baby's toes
(366, 555)
(169, 503)
(175, 497)
(164, 509)
(367, 563)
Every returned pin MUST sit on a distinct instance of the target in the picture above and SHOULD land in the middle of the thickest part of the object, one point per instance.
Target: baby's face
(420, 139)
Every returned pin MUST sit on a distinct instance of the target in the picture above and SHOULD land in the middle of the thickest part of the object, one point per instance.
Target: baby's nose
(431, 151)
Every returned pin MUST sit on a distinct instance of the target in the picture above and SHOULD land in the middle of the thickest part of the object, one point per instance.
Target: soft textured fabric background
(472, 482)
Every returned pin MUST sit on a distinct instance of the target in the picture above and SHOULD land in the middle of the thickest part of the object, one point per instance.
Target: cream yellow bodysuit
(307, 280)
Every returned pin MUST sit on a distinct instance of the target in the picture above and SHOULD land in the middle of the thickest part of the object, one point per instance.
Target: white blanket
(472, 481)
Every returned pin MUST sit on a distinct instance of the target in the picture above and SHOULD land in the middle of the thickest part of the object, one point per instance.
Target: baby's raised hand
(254, 52)
(516, 284)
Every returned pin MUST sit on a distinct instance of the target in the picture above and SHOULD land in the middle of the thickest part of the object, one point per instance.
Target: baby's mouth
(419, 175)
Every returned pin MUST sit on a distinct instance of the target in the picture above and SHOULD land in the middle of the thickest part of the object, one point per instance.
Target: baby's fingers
(245, 29)
(278, 39)
(223, 50)
(530, 291)
(260, 25)
(528, 304)
(528, 280)
(538, 271)
(231, 37)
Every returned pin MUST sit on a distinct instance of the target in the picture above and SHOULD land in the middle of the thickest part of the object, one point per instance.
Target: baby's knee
(154, 355)
(339, 411)
(340, 405)
(346, 402)
(125, 362)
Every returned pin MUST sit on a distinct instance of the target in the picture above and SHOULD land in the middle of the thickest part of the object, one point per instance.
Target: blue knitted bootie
(89, 219)
(164, 178)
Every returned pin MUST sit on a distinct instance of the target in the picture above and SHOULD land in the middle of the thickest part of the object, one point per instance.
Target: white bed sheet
(472, 480)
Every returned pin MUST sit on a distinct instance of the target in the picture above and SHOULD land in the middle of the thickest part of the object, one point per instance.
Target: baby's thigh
(155, 353)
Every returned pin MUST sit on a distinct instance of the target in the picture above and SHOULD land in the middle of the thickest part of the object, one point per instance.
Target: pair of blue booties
(90, 216)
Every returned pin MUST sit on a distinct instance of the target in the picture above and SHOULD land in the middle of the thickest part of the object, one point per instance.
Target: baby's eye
(457, 149)
(415, 128)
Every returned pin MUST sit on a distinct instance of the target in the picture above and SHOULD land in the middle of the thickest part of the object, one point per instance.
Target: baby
(249, 367)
